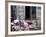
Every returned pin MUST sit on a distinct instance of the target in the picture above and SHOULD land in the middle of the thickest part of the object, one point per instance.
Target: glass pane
(33, 13)
(13, 13)
(27, 12)
(38, 16)
(20, 12)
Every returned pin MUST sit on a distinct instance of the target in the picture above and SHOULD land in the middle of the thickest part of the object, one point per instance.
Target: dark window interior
(13, 15)
(27, 12)
(33, 12)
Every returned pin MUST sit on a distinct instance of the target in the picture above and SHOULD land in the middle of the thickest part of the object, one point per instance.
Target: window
(30, 13)
(27, 12)
(33, 13)
(13, 13)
